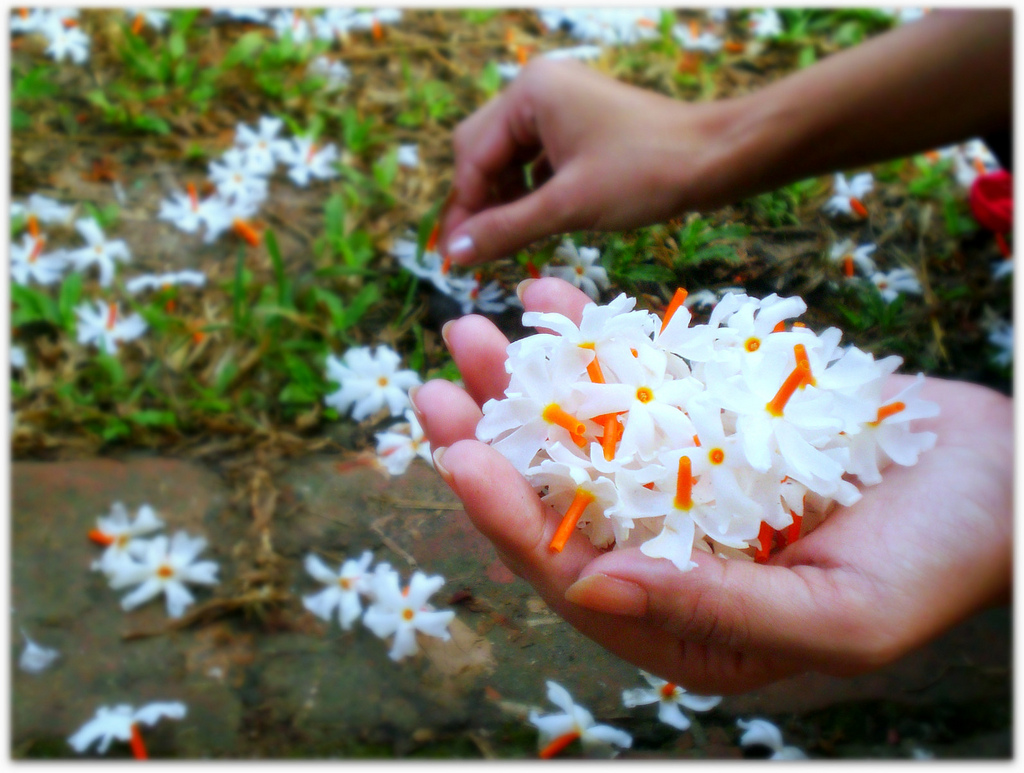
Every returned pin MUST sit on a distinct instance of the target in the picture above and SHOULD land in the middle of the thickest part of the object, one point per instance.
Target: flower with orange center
(359, 372)
(102, 325)
(582, 269)
(164, 566)
(670, 699)
(99, 251)
(404, 612)
(308, 161)
(30, 264)
(343, 588)
(119, 536)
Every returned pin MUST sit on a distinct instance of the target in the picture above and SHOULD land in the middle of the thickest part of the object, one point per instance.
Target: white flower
(369, 380)
(701, 299)
(119, 536)
(763, 733)
(99, 250)
(403, 612)
(101, 324)
(44, 209)
(310, 160)
(65, 41)
(583, 270)
(431, 267)
(18, 358)
(119, 723)
(254, 15)
(334, 71)
(164, 567)
(899, 280)
(583, 53)
(1001, 337)
(163, 281)
(262, 147)
(343, 588)
(402, 443)
(291, 23)
(558, 730)
(669, 697)
(844, 252)
(367, 20)
(847, 196)
(707, 41)
(765, 23)
(29, 263)
(238, 178)
(409, 155)
(35, 659)
(489, 299)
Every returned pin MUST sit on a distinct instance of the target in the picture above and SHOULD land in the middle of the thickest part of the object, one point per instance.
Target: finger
(479, 350)
(551, 294)
(792, 612)
(446, 412)
(500, 230)
(521, 527)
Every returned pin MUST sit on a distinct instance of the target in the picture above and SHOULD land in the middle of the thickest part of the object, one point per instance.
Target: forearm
(943, 79)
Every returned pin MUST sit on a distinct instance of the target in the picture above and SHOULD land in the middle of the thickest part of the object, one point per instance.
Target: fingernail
(521, 288)
(602, 593)
(438, 456)
(444, 333)
(460, 249)
(412, 402)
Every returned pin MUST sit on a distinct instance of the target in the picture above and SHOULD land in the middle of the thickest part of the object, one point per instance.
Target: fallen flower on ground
(30, 264)
(163, 281)
(583, 269)
(164, 566)
(404, 611)
(45, 209)
(401, 443)
(34, 658)
(847, 195)
(343, 588)
(369, 380)
(557, 731)
(849, 256)
(262, 147)
(761, 732)
(119, 536)
(309, 160)
(99, 250)
(121, 723)
(409, 156)
(892, 283)
(670, 698)
(102, 325)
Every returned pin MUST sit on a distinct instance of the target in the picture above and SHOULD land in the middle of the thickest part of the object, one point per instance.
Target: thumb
(499, 231)
(806, 612)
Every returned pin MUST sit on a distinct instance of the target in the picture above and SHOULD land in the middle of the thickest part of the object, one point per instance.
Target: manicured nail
(412, 402)
(521, 288)
(444, 333)
(602, 593)
(438, 456)
(460, 249)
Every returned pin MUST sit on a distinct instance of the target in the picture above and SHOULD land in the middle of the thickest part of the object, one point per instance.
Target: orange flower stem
(570, 519)
(378, 30)
(673, 306)
(848, 266)
(684, 484)
(193, 196)
(246, 232)
(858, 206)
(557, 745)
(137, 24)
(555, 414)
(888, 410)
(33, 225)
(612, 435)
(100, 538)
(37, 249)
(431, 244)
(780, 327)
(776, 405)
(764, 537)
(800, 352)
(111, 315)
(532, 270)
(138, 747)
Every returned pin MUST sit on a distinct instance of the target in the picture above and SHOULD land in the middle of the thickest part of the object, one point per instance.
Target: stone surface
(283, 684)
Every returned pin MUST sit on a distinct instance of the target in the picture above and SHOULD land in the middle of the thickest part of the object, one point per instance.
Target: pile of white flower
(392, 609)
(672, 436)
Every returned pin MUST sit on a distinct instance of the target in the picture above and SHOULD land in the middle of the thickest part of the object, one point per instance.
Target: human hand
(608, 157)
(919, 552)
